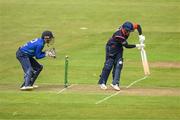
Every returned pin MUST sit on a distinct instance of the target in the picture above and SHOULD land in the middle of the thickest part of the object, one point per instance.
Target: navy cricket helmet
(128, 26)
(47, 33)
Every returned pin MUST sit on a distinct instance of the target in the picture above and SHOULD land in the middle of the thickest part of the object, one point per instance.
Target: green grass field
(24, 20)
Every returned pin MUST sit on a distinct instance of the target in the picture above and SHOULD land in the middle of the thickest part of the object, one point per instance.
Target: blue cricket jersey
(34, 48)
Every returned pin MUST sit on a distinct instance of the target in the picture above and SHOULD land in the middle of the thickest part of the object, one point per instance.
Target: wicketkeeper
(114, 53)
(26, 53)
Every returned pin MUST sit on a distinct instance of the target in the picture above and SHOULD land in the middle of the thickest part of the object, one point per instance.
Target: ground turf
(155, 98)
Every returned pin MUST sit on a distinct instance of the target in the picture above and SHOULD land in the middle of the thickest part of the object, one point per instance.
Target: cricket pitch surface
(94, 89)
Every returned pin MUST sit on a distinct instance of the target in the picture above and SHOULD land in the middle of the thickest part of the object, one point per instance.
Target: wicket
(66, 72)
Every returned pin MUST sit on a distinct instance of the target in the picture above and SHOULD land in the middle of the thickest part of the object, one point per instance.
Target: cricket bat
(144, 60)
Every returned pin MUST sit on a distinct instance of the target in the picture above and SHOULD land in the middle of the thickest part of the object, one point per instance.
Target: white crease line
(136, 81)
(66, 88)
(108, 97)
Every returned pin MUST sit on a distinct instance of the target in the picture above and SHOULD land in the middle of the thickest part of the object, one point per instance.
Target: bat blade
(145, 62)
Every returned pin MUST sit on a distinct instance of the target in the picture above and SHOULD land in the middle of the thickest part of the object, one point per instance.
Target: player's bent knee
(40, 69)
(29, 72)
(119, 64)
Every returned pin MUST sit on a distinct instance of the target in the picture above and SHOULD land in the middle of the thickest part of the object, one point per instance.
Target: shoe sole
(114, 88)
(35, 87)
(27, 89)
(103, 88)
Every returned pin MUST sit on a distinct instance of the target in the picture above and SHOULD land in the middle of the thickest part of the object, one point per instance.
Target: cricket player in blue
(114, 53)
(26, 53)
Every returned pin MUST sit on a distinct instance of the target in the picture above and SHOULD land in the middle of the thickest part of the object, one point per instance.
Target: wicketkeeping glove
(50, 53)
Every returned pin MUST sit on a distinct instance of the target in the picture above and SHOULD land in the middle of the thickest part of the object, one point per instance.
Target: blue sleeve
(38, 53)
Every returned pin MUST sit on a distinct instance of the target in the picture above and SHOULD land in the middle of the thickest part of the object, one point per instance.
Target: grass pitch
(23, 20)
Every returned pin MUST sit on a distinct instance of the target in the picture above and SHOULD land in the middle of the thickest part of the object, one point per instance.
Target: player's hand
(48, 53)
(141, 38)
(140, 46)
(51, 53)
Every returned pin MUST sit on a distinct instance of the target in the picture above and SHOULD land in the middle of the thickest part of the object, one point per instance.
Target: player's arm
(138, 27)
(38, 53)
(139, 46)
(122, 40)
(126, 45)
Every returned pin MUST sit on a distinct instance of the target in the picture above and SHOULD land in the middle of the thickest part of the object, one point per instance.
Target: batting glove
(141, 38)
(140, 46)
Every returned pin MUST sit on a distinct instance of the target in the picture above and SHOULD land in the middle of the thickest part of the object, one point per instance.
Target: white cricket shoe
(26, 88)
(35, 86)
(103, 86)
(116, 87)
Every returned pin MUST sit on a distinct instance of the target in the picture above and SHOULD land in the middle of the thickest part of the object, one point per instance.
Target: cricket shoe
(103, 86)
(35, 86)
(26, 88)
(116, 87)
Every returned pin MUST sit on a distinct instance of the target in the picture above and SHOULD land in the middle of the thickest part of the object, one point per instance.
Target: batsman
(114, 53)
(26, 53)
